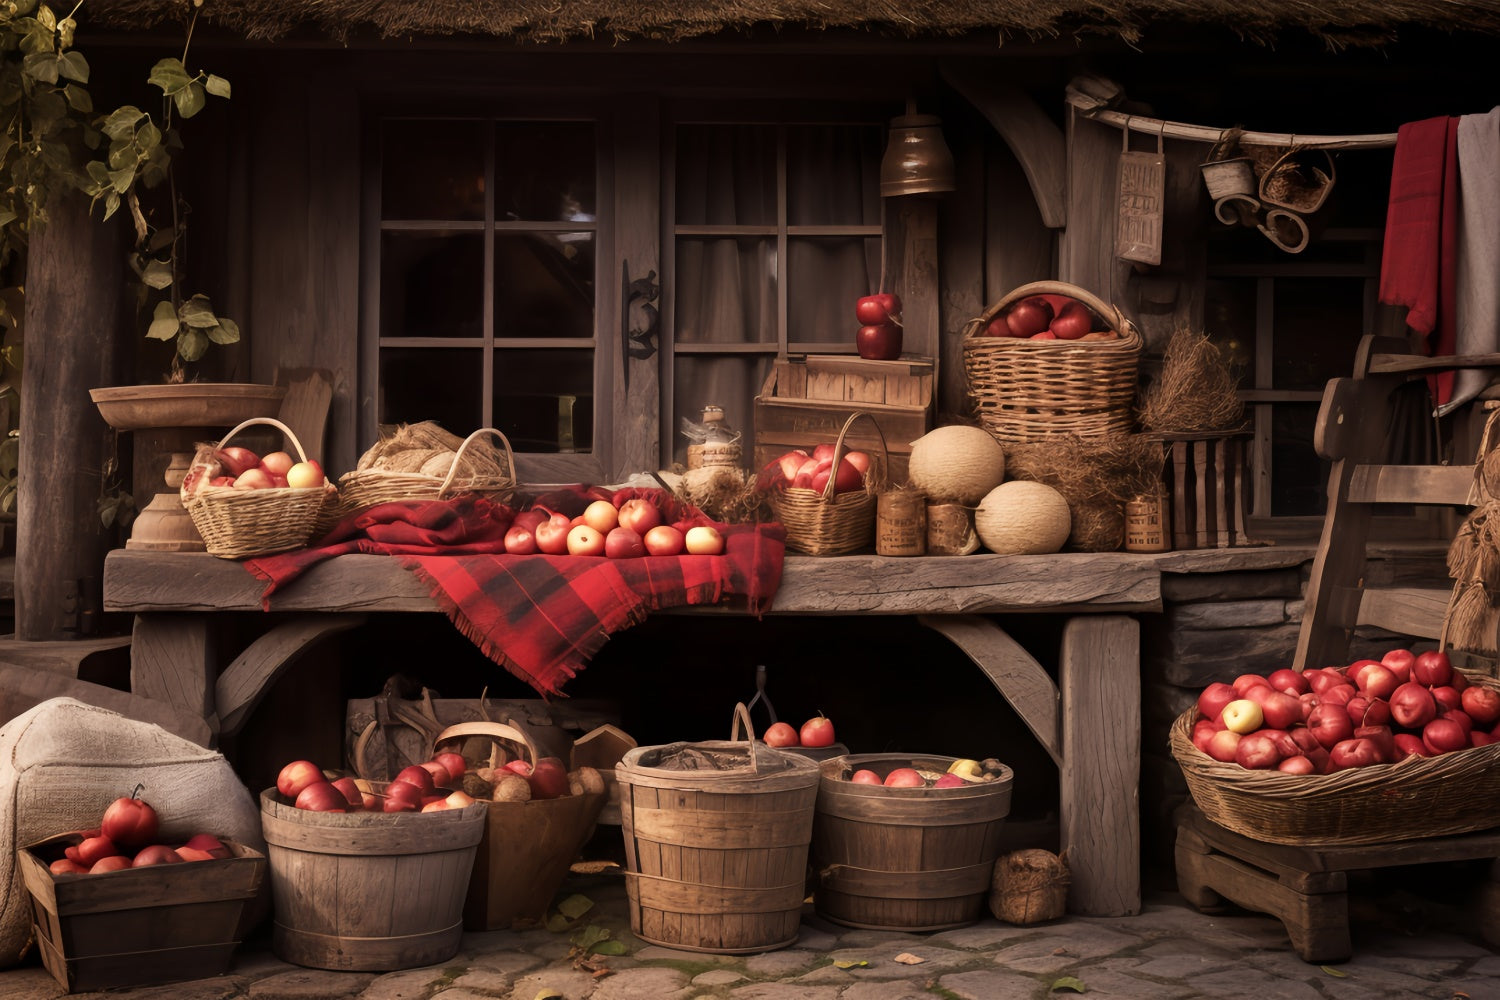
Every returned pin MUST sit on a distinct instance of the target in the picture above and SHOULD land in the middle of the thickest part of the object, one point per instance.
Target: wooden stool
(1306, 888)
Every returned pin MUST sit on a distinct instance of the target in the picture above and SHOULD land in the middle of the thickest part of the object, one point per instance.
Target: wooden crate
(138, 926)
(1208, 489)
(805, 401)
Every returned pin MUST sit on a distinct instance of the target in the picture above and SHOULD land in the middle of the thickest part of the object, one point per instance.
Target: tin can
(901, 523)
(1146, 526)
(950, 530)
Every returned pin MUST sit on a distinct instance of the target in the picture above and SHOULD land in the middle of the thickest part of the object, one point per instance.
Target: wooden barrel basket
(372, 892)
(907, 859)
(716, 857)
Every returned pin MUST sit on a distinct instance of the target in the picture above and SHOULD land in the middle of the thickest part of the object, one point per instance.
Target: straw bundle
(1473, 617)
(1196, 390)
(1029, 886)
(1097, 477)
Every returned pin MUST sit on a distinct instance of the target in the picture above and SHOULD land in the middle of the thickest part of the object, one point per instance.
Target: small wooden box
(138, 926)
(805, 401)
(1208, 486)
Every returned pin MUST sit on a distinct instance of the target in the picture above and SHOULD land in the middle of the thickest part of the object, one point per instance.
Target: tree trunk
(75, 282)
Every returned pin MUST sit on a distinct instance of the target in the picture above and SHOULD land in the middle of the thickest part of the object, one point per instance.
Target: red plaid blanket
(541, 617)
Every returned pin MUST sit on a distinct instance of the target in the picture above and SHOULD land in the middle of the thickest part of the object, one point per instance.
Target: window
(486, 284)
(775, 233)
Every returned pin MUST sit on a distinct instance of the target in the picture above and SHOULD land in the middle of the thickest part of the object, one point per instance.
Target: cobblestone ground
(1406, 949)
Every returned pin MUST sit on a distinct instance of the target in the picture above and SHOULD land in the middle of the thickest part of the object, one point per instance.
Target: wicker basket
(1026, 390)
(1418, 797)
(364, 488)
(828, 524)
(239, 523)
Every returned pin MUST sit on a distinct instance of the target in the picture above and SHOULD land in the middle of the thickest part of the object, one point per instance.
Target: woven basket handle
(1111, 314)
(493, 730)
(510, 458)
(272, 421)
(839, 450)
(742, 717)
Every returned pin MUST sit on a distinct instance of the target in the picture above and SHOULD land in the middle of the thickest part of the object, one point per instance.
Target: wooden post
(74, 286)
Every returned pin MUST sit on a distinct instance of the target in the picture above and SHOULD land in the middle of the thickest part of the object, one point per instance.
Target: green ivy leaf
(575, 905)
(41, 66)
(46, 18)
(190, 100)
(588, 937)
(98, 172)
(191, 345)
(157, 274)
(148, 137)
(78, 98)
(120, 123)
(7, 216)
(217, 86)
(73, 66)
(170, 75)
(65, 29)
(111, 204)
(225, 333)
(610, 947)
(851, 964)
(164, 322)
(1069, 983)
(121, 179)
(197, 312)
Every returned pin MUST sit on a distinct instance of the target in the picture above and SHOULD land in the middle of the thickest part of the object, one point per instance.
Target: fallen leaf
(1069, 983)
(907, 958)
(844, 964)
(575, 906)
(613, 946)
(548, 994)
(1335, 972)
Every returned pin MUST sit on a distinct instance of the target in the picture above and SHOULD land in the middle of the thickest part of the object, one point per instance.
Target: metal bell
(917, 160)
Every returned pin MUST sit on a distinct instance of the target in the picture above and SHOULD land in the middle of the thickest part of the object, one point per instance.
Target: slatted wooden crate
(139, 926)
(806, 400)
(1208, 488)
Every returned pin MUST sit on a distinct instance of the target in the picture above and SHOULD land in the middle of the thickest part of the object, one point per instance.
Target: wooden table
(1089, 721)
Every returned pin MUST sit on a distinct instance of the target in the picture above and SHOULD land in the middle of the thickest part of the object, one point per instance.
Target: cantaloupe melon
(1021, 517)
(956, 464)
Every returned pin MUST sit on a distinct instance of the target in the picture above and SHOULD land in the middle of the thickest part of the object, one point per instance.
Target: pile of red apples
(1328, 719)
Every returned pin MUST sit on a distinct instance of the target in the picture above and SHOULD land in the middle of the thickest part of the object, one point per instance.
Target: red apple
(254, 479)
(1384, 740)
(1366, 711)
(1320, 679)
(1412, 705)
(949, 781)
(703, 540)
(1244, 682)
(155, 854)
(780, 734)
(1282, 739)
(296, 776)
(639, 515)
(440, 776)
(1353, 753)
(521, 767)
(1222, 745)
(1213, 699)
(1330, 724)
(129, 822)
(1354, 672)
(235, 459)
(998, 328)
(1458, 681)
(1288, 680)
(903, 777)
(277, 463)
(416, 774)
(1379, 681)
(1482, 704)
(453, 763)
(1410, 745)
(865, 776)
(1203, 731)
(92, 850)
(403, 796)
(664, 540)
(1443, 735)
(878, 308)
(878, 342)
(1281, 710)
(520, 541)
(1432, 668)
(548, 778)
(552, 534)
(1028, 317)
(1480, 738)
(1399, 662)
(584, 540)
(322, 796)
(1306, 740)
(1257, 752)
(1072, 321)
(816, 732)
(1295, 765)
(208, 842)
(624, 543)
(1338, 694)
(1447, 697)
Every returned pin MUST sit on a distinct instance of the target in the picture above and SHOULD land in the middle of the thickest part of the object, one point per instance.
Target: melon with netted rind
(1022, 518)
(956, 464)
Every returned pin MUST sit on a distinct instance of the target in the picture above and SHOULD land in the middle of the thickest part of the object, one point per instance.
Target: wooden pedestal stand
(1306, 888)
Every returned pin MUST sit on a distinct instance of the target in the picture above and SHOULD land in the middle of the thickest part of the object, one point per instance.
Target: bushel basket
(1452, 793)
(825, 523)
(492, 475)
(1025, 390)
(240, 523)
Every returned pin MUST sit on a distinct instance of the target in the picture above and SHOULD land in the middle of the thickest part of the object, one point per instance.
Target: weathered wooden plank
(171, 661)
(1099, 677)
(635, 428)
(245, 682)
(23, 688)
(1013, 671)
(1417, 611)
(1411, 484)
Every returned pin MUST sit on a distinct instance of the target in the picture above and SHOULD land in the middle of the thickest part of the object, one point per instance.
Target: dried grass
(1195, 390)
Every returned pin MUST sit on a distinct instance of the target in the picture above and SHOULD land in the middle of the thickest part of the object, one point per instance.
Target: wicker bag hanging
(364, 488)
(825, 523)
(1026, 390)
(239, 523)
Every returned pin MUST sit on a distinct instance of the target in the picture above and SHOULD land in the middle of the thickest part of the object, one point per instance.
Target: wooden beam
(1427, 484)
(245, 681)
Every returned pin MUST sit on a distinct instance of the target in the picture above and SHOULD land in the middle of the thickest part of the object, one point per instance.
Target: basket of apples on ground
(827, 500)
(1400, 748)
(1050, 358)
(244, 504)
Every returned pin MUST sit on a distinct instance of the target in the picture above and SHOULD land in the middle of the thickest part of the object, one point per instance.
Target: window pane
(1299, 478)
(726, 175)
(825, 278)
(432, 170)
(431, 284)
(544, 285)
(727, 381)
(544, 399)
(726, 291)
(1318, 325)
(1229, 322)
(431, 384)
(544, 171)
(833, 175)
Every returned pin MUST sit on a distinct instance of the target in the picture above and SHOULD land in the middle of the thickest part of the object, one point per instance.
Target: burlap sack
(63, 762)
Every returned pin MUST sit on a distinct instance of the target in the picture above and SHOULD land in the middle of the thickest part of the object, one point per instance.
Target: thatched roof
(1338, 21)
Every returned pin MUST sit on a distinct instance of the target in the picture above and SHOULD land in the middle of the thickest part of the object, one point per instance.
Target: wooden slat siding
(961, 270)
(1448, 484)
(912, 270)
(1099, 811)
(1086, 249)
(635, 225)
(1022, 681)
(1415, 611)
(1183, 526)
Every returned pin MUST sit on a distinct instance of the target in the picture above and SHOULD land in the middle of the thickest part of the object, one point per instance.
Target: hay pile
(723, 493)
(1097, 476)
(1472, 621)
(1196, 390)
(1030, 886)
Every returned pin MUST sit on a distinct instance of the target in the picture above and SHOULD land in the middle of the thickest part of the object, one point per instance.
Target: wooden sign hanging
(1141, 184)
